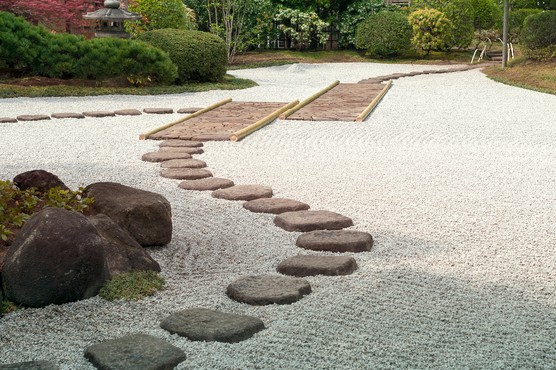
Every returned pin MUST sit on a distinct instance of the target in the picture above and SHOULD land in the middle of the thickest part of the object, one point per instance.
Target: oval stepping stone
(312, 220)
(263, 290)
(99, 114)
(183, 163)
(185, 173)
(164, 156)
(7, 120)
(128, 112)
(209, 183)
(138, 351)
(188, 110)
(33, 117)
(158, 110)
(302, 266)
(182, 149)
(336, 241)
(201, 324)
(275, 205)
(243, 192)
(178, 143)
(67, 115)
(30, 365)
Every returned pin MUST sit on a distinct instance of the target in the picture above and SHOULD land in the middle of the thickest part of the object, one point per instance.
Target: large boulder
(145, 215)
(40, 179)
(121, 252)
(56, 258)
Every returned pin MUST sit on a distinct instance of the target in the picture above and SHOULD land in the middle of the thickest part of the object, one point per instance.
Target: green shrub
(133, 285)
(199, 56)
(432, 30)
(354, 14)
(542, 54)
(539, 30)
(384, 34)
(486, 14)
(158, 14)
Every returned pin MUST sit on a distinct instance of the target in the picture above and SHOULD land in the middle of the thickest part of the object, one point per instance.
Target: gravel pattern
(452, 174)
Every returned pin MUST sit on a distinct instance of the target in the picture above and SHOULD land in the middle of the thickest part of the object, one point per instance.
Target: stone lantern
(110, 19)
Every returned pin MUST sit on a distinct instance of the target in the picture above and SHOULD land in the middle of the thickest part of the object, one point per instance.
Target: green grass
(527, 74)
(133, 285)
(7, 307)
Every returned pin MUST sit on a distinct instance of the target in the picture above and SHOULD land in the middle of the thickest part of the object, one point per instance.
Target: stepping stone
(188, 110)
(178, 143)
(67, 115)
(312, 220)
(128, 112)
(182, 149)
(164, 156)
(209, 183)
(185, 173)
(336, 241)
(243, 192)
(7, 120)
(302, 266)
(213, 137)
(201, 324)
(275, 205)
(158, 110)
(183, 163)
(99, 114)
(33, 117)
(266, 289)
(30, 365)
(138, 351)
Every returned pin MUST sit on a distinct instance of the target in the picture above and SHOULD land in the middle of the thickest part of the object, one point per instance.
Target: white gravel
(453, 174)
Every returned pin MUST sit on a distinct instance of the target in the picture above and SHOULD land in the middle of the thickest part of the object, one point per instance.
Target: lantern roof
(112, 11)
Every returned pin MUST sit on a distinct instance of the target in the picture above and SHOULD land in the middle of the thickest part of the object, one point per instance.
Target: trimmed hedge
(432, 30)
(199, 56)
(384, 34)
(157, 15)
(539, 30)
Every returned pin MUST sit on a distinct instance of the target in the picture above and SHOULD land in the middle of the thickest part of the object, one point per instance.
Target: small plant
(133, 285)
(7, 307)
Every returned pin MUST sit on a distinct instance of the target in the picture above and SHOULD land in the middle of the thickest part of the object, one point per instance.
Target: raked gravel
(453, 174)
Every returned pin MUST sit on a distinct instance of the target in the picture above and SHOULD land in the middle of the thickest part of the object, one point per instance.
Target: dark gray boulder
(40, 179)
(146, 216)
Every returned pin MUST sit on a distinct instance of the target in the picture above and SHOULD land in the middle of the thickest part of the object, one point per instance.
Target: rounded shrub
(432, 30)
(486, 14)
(199, 56)
(539, 30)
(384, 34)
(158, 14)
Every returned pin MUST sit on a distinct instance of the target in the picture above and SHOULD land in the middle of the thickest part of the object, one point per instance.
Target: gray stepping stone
(128, 112)
(302, 266)
(188, 110)
(336, 241)
(158, 110)
(7, 120)
(67, 115)
(30, 365)
(33, 117)
(178, 143)
(209, 183)
(201, 324)
(275, 205)
(243, 192)
(164, 156)
(138, 351)
(312, 220)
(183, 163)
(99, 114)
(185, 173)
(266, 289)
(182, 149)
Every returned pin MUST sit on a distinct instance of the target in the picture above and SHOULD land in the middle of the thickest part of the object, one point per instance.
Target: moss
(133, 285)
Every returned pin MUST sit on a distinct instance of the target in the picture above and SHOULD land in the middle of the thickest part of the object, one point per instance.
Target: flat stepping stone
(302, 266)
(183, 163)
(212, 137)
(209, 183)
(188, 110)
(266, 289)
(164, 156)
(33, 117)
(99, 114)
(336, 241)
(179, 143)
(182, 149)
(312, 220)
(128, 112)
(275, 205)
(7, 120)
(30, 365)
(201, 324)
(138, 351)
(185, 173)
(158, 110)
(243, 192)
(67, 115)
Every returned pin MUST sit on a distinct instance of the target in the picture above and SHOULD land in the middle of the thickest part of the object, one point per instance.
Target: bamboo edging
(374, 103)
(291, 111)
(238, 135)
(193, 115)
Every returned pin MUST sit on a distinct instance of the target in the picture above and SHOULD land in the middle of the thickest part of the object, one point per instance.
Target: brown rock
(42, 180)
(67, 115)
(128, 112)
(263, 290)
(99, 114)
(7, 120)
(183, 163)
(164, 156)
(275, 205)
(33, 117)
(209, 183)
(312, 220)
(188, 110)
(243, 192)
(158, 110)
(336, 241)
(181, 149)
(187, 143)
(185, 173)
(309, 265)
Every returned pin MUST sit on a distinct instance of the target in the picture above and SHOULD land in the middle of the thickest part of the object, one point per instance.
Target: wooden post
(505, 34)
(374, 103)
(291, 111)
